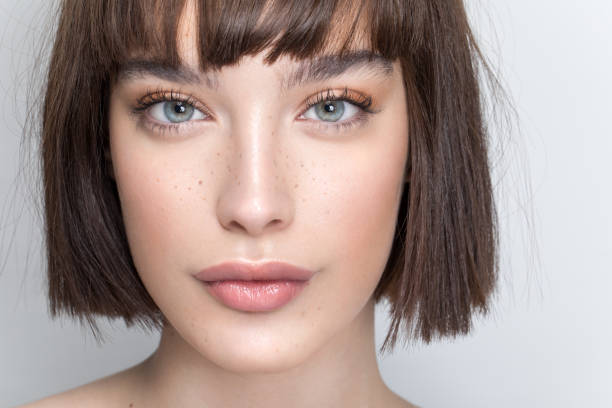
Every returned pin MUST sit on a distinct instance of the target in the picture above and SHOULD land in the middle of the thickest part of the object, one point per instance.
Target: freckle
(212, 173)
(218, 154)
(318, 307)
(301, 164)
(157, 179)
(295, 186)
(238, 183)
(276, 350)
(303, 313)
(200, 182)
(175, 186)
(189, 188)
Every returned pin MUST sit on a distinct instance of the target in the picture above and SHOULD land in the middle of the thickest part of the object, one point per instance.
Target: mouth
(252, 287)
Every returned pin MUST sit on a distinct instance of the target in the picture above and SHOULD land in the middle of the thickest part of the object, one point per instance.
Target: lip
(254, 287)
(254, 271)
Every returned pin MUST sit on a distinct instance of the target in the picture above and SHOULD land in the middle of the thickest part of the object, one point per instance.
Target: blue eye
(175, 112)
(331, 111)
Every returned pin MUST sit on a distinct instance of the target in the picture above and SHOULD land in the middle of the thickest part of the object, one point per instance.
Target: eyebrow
(330, 66)
(309, 70)
(138, 68)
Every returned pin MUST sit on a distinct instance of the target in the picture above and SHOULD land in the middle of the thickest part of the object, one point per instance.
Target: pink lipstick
(252, 287)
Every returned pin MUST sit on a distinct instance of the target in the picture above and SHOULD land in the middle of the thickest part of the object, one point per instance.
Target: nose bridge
(255, 199)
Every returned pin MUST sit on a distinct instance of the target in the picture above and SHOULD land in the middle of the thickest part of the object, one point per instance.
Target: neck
(343, 373)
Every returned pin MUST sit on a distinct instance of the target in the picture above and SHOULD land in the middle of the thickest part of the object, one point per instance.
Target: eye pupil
(177, 111)
(330, 111)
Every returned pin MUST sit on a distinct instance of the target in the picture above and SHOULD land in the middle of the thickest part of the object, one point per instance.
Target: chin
(257, 360)
(254, 350)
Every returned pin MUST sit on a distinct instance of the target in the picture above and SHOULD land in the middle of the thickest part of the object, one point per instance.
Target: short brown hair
(443, 262)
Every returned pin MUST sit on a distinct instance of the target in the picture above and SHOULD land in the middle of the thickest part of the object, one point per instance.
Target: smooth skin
(256, 175)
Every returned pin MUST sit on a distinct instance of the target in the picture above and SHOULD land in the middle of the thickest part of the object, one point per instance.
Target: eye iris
(330, 111)
(177, 111)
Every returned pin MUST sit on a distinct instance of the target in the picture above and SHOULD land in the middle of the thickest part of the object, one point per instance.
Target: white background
(547, 342)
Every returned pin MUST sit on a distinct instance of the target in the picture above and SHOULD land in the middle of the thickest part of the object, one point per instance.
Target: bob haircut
(443, 263)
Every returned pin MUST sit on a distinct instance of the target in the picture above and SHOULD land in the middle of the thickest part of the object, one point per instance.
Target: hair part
(443, 263)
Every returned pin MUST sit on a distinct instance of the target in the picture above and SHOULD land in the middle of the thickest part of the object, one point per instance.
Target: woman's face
(245, 170)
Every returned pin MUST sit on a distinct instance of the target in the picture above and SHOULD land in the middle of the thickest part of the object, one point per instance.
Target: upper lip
(254, 271)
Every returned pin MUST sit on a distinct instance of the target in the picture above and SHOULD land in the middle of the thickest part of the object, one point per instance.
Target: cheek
(147, 203)
(360, 210)
(366, 213)
(162, 201)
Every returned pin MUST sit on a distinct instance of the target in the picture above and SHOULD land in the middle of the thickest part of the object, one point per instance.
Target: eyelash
(159, 96)
(361, 101)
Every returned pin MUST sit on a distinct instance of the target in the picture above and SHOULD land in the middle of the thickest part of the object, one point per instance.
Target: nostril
(274, 223)
(236, 224)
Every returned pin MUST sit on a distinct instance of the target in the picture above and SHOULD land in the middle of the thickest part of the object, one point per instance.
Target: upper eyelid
(167, 95)
(345, 95)
(160, 96)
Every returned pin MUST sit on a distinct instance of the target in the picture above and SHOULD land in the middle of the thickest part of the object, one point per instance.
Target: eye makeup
(141, 110)
(356, 102)
(361, 103)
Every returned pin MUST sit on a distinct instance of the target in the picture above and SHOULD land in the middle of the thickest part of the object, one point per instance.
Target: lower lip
(255, 296)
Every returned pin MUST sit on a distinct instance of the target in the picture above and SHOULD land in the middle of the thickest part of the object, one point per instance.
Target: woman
(251, 180)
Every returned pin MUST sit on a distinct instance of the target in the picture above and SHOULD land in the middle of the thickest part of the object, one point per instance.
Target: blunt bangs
(231, 29)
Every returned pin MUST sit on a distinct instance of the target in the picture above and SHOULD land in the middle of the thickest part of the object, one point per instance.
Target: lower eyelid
(361, 118)
(147, 123)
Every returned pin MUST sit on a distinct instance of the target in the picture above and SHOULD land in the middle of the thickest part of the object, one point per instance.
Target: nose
(255, 199)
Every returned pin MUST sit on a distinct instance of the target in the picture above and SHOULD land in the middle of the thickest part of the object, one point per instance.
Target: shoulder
(113, 390)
